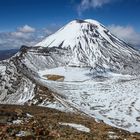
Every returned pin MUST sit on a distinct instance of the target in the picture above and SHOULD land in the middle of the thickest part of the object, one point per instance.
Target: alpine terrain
(86, 69)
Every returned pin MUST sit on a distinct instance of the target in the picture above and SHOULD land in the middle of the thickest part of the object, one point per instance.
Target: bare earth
(38, 123)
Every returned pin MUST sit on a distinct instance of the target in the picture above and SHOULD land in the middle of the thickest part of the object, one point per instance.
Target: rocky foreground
(38, 123)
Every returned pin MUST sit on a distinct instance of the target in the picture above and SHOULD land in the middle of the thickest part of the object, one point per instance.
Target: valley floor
(39, 123)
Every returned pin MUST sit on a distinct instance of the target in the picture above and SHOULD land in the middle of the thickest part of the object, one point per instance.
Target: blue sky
(28, 20)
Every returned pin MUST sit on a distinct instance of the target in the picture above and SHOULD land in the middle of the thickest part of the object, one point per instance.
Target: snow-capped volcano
(91, 44)
(85, 68)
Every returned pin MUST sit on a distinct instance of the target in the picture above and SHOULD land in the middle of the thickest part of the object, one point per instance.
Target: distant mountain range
(5, 54)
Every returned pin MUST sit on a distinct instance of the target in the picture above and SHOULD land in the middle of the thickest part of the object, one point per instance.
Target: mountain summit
(91, 44)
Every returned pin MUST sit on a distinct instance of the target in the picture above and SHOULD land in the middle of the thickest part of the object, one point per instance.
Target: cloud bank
(25, 35)
(26, 29)
(127, 33)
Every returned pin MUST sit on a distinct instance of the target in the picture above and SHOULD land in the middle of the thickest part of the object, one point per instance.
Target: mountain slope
(99, 75)
(91, 44)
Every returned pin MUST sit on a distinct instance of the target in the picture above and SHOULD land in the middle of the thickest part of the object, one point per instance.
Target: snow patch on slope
(115, 101)
(76, 126)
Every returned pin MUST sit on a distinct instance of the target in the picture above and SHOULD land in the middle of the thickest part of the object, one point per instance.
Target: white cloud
(26, 29)
(18, 34)
(25, 35)
(87, 4)
(23, 32)
(127, 33)
(11, 40)
(48, 31)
